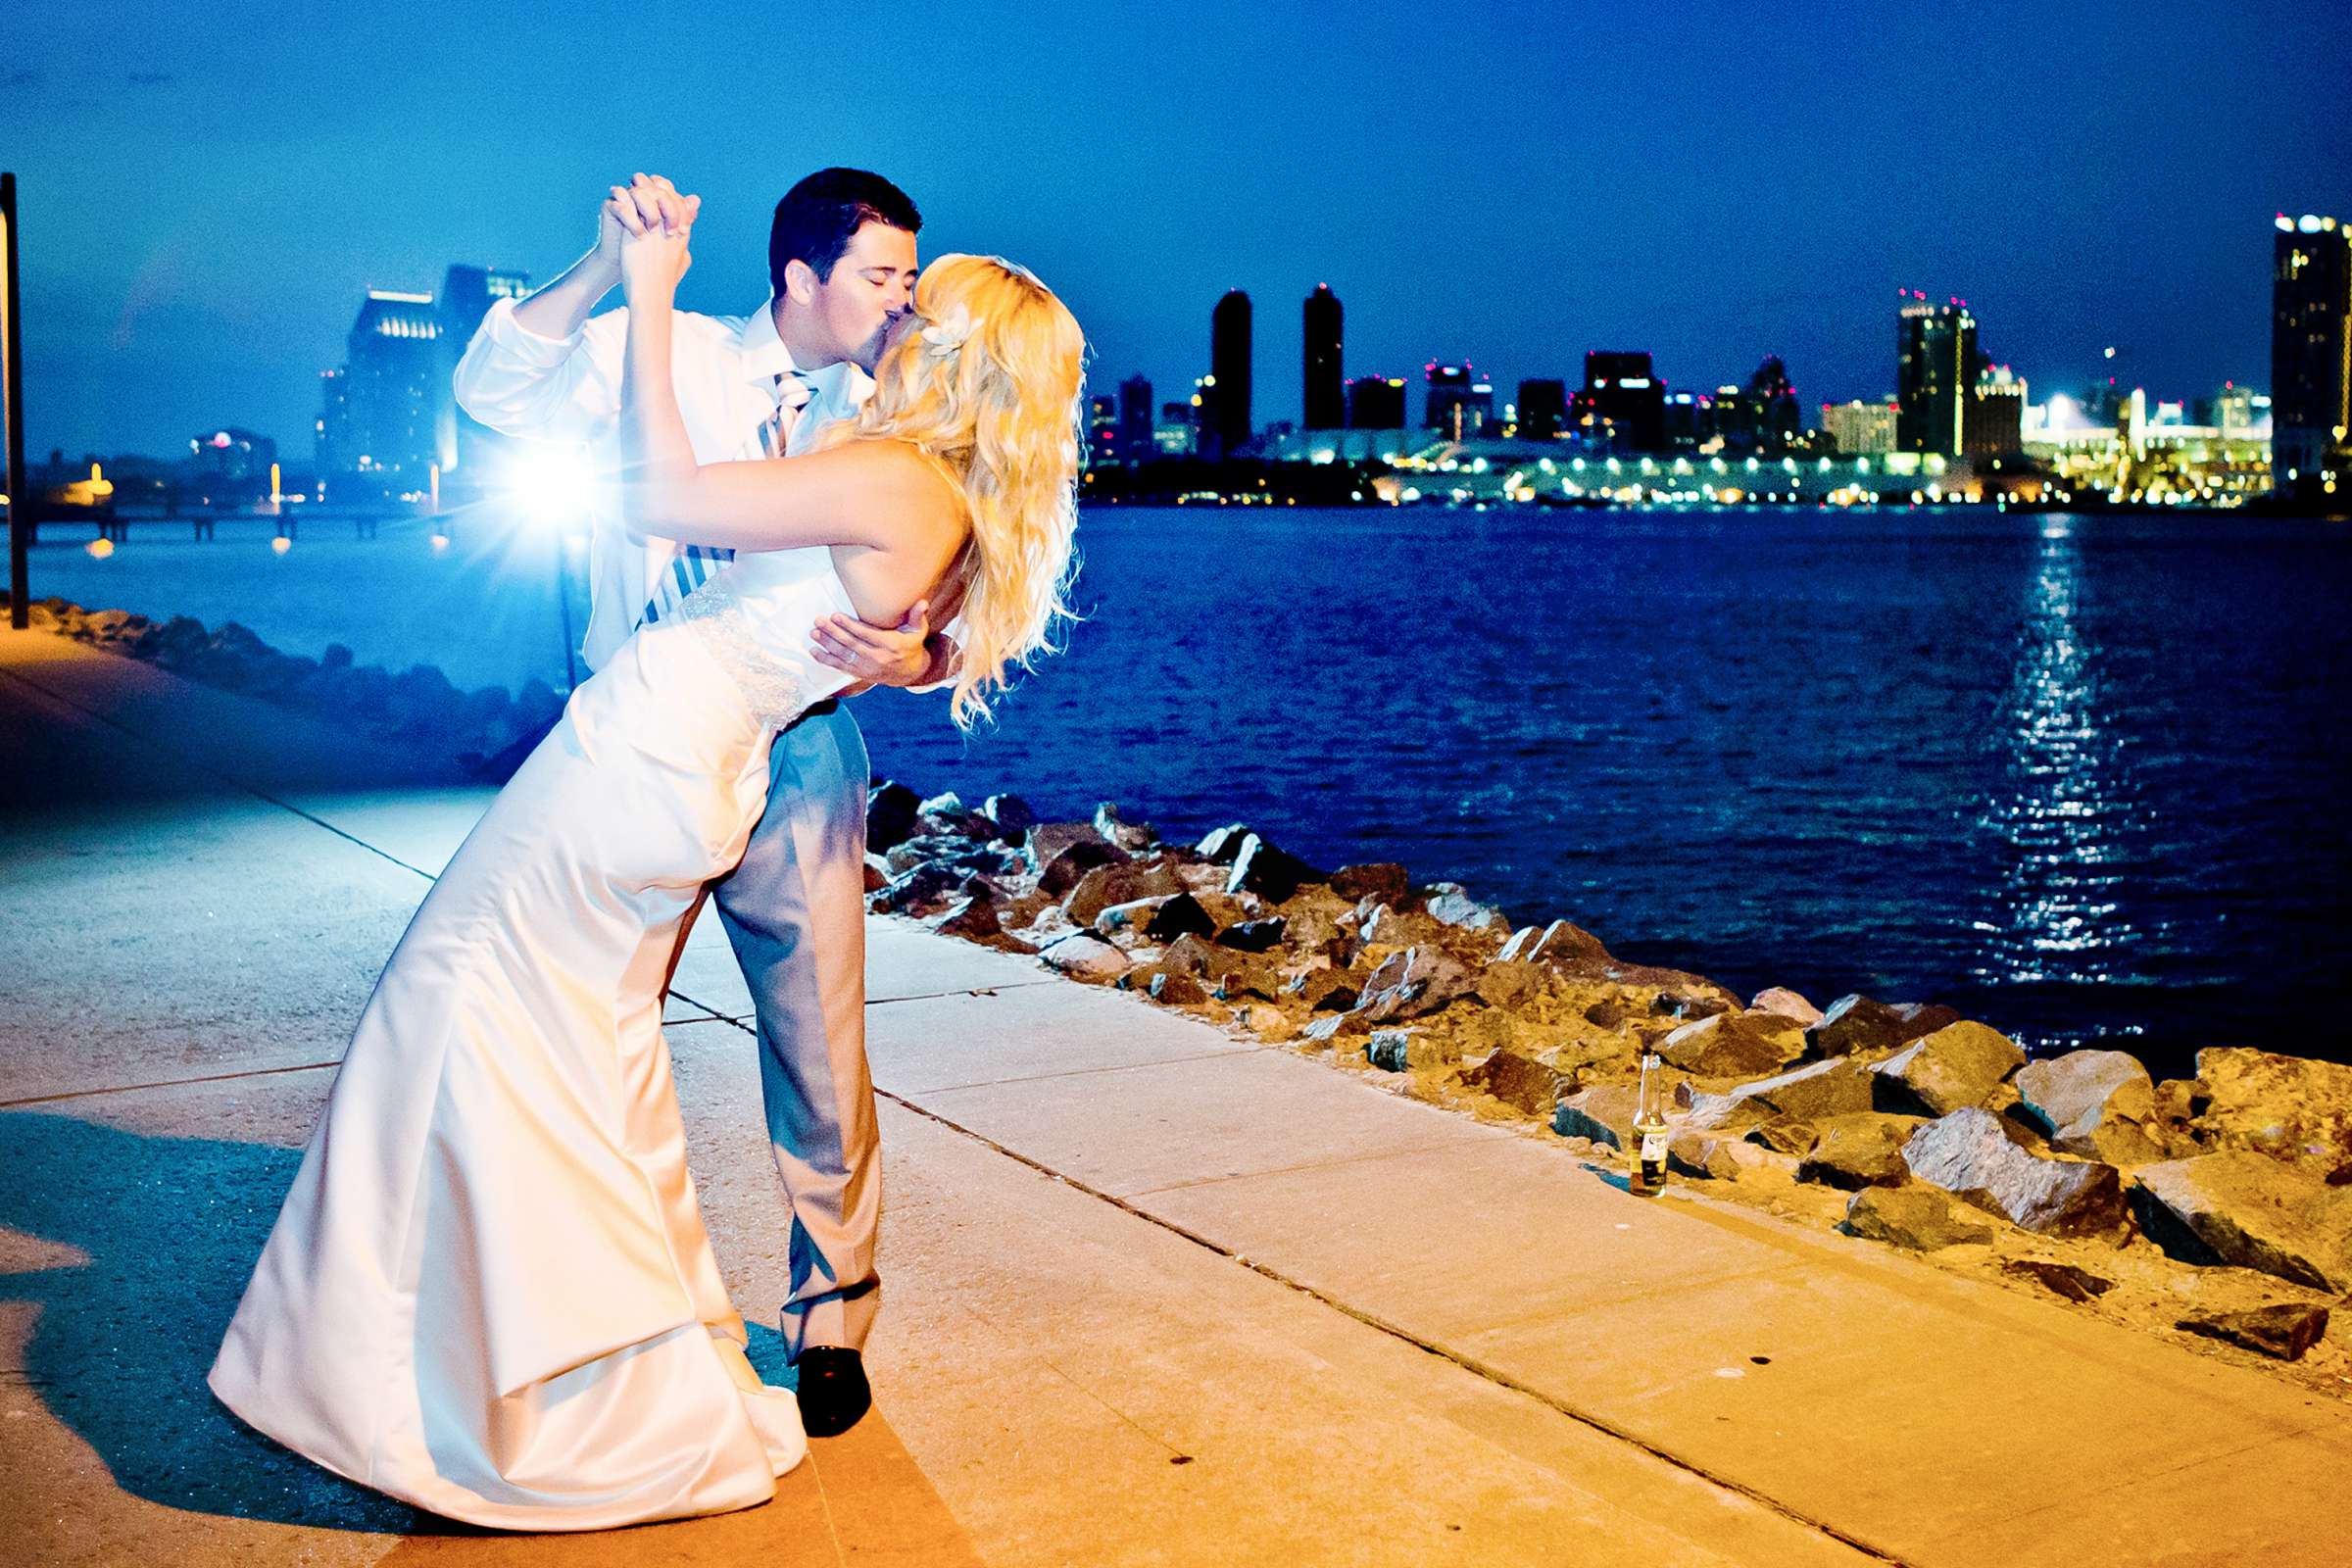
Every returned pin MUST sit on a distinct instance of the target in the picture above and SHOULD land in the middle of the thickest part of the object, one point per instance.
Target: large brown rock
(1412, 984)
(1220, 845)
(1724, 1114)
(1865, 1149)
(1731, 1045)
(1920, 1218)
(1959, 1064)
(1259, 867)
(1604, 1113)
(1555, 944)
(1107, 885)
(2286, 1330)
(2100, 1105)
(1324, 989)
(1161, 917)
(1822, 1088)
(891, 809)
(1450, 903)
(1063, 869)
(1520, 1081)
(1085, 956)
(1721, 1156)
(1969, 1156)
(2243, 1208)
(1115, 827)
(976, 918)
(1384, 881)
(1788, 1004)
(1860, 1024)
(2288, 1108)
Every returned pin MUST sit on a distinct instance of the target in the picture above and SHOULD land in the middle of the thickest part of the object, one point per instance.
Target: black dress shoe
(833, 1389)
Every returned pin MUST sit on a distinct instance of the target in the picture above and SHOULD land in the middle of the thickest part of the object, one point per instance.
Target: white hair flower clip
(947, 334)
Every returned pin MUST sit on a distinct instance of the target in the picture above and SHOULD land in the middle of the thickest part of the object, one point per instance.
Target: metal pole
(20, 514)
(572, 667)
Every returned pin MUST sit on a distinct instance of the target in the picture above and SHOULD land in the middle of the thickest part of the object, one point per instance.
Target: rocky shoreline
(2217, 1209)
(484, 734)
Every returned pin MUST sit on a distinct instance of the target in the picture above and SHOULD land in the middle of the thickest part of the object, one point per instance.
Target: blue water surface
(2081, 776)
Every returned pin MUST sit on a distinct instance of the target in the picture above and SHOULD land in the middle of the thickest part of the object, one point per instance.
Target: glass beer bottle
(1649, 1176)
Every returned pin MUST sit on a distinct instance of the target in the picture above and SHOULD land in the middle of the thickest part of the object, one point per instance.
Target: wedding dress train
(490, 1292)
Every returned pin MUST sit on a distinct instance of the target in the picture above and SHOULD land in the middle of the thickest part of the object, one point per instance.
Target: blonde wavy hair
(1001, 414)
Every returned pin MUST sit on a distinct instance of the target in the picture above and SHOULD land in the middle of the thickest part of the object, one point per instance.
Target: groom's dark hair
(817, 217)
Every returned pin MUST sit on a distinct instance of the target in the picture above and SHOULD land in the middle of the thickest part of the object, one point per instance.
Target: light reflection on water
(2069, 817)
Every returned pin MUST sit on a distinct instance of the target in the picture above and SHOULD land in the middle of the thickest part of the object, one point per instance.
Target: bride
(490, 1293)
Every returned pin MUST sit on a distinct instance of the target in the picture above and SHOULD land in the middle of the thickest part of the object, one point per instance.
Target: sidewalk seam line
(167, 1083)
(1476, 1368)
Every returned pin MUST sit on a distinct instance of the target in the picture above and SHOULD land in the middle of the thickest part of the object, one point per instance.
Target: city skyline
(2109, 185)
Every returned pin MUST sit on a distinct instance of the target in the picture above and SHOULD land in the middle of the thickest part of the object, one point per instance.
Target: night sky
(209, 190)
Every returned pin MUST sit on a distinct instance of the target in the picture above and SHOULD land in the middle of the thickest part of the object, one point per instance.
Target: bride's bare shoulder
(912, 477)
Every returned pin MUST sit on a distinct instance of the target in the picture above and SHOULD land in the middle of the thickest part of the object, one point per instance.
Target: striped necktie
(694, 565)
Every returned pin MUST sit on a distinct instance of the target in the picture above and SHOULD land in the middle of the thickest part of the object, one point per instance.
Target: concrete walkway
(1154, 1294)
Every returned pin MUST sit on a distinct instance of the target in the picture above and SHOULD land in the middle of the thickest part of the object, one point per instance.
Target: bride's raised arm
(873, 493)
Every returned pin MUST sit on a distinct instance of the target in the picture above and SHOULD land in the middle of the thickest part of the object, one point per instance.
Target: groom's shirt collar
(765, 358)
(765, 355)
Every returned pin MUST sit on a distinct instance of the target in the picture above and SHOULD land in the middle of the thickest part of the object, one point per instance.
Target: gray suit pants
(795, 910)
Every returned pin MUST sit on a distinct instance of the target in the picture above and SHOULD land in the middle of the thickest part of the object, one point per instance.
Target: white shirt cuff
(532, 348)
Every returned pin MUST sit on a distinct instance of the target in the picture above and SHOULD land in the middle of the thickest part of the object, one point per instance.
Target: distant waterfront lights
(280, 545)
(100, 549)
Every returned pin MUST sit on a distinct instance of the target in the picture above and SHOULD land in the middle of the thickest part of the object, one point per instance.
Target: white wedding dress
(490, 1293)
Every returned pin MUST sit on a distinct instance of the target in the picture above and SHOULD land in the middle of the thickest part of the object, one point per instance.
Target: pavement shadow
(171, 1227)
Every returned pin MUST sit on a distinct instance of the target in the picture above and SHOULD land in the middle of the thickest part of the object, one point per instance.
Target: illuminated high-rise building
(398, 387)
(1860, 429)
(1134, 421)
(1101, 430)
(1326, 400)
(1376, 402)
(1622, 402)
(334, 452)
(1225, 428)
(1542, 408)
(2240, 409)
(2311, 355)
(1457, 402)
(1772, 404)
(1935, 367)
(467, 295)
(1996, 413)
(1177, 434)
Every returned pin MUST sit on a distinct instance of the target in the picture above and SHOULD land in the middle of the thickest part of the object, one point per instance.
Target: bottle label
(1653, 1148)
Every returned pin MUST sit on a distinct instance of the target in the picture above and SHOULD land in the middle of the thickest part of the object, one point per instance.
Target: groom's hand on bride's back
(877, 656)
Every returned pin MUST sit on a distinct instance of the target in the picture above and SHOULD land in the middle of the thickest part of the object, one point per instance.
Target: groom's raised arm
(540, 368)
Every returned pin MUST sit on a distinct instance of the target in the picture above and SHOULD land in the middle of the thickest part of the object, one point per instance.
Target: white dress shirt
(567, 390)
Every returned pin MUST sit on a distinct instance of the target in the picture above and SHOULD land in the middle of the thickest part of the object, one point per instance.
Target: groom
(842, 266)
